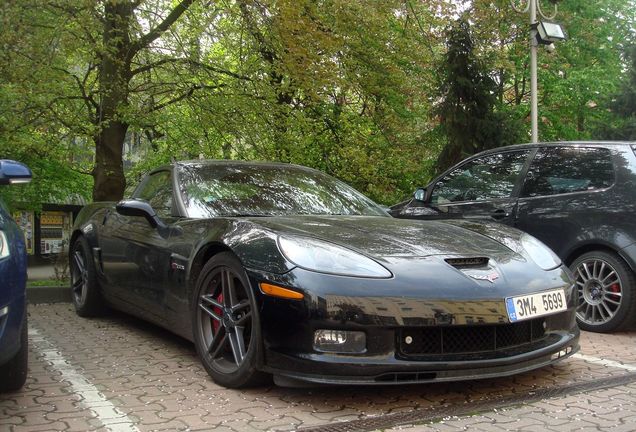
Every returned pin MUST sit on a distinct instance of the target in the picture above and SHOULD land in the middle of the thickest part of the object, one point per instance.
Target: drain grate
(470, 408)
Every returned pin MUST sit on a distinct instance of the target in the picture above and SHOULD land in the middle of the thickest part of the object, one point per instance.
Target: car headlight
(325, 257)
(4, 246)
(540, 253)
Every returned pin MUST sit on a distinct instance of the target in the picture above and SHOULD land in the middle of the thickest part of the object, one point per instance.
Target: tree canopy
(361, 90)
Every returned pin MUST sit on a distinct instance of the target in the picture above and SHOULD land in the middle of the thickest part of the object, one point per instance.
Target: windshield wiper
(247, 215)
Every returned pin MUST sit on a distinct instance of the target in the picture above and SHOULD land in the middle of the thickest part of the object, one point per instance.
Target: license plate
(535, 305)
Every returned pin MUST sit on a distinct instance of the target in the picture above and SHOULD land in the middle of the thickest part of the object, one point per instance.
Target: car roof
(229, 162)
(557, 144)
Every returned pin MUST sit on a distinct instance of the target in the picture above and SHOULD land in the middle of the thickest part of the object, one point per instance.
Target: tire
(85, 290)
(226, 325)
(606, 292)
(13, 373)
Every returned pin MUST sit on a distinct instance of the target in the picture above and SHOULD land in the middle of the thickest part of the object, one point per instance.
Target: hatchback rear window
(558, 170)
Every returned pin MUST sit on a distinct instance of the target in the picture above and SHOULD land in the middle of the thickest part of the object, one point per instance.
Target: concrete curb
(48, 294)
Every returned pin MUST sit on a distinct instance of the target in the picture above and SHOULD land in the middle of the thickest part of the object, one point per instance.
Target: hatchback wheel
(605, 286)
(226, 323)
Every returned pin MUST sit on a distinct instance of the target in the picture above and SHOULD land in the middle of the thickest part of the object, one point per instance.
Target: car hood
(383, 237)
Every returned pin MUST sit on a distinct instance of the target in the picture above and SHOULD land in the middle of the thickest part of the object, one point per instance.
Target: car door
(136, 258)
(484, 187)
(563, 197)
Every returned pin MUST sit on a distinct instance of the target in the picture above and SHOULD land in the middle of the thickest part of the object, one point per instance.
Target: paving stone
(156, 382)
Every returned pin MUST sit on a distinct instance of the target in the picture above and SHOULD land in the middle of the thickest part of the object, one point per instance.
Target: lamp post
(540, 33)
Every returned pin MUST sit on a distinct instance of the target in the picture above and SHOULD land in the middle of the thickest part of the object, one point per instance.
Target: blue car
(13, 265)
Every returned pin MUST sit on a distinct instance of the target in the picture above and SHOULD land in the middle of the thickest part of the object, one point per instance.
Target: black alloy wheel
(85, 289)
(605, 287)
(226, 325)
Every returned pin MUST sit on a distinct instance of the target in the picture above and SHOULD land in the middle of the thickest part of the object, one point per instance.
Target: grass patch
(46, 282)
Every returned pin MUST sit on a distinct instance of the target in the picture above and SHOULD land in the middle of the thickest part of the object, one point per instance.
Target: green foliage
(576, 80)
(467, 111)
(623, 106)
(371, 92)
(46, 283)
(343, 88)
(53, 181)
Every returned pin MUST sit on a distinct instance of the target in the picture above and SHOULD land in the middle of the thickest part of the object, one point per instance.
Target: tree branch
(164, 25)
(150, 66)
(88, 99)
(184, 95)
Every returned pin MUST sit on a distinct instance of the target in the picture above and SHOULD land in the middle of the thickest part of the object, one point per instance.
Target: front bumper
(373, 371)
(288, 329)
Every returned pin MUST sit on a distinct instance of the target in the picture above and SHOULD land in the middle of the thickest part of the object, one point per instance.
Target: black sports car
(280, 269)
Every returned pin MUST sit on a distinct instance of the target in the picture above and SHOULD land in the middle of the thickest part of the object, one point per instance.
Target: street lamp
(549, 32)
(545, 33)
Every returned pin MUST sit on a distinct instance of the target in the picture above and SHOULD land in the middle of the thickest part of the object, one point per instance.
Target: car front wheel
(226, 324)
(13, 373)
(606, 298)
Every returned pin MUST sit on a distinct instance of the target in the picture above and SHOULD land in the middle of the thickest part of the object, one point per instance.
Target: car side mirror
(12, 172)
(142, 208)
(420, 194)
(139, 208)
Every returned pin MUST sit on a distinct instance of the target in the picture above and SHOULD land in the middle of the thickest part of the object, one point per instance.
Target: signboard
(25, 220)
(55, 229)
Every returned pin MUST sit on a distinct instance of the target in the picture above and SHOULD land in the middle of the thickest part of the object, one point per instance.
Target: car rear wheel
(226, 325)
(85, 290)
(13, 373)
(606, 298)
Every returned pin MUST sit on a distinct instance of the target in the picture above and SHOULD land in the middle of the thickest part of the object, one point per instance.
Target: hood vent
(464, 263)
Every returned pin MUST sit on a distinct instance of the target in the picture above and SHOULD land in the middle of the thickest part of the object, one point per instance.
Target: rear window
(559, 170)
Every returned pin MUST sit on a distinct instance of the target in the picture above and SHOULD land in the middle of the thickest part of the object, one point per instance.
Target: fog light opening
(561, 353)
(340, 341)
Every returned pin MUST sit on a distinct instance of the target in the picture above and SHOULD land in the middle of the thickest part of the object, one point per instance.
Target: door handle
(499, 214)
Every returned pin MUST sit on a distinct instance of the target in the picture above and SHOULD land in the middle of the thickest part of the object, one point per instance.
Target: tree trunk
(114, 78)
(108, 174)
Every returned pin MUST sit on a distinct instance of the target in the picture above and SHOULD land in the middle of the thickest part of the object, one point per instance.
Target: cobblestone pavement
(118, 373)
(611, 409)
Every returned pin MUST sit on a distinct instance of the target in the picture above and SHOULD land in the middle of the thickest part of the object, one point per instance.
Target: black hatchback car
(577, 197)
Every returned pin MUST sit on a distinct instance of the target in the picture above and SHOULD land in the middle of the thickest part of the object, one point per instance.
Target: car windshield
(210, 190)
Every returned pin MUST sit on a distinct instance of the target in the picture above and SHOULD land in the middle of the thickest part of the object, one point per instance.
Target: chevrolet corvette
(281, 270)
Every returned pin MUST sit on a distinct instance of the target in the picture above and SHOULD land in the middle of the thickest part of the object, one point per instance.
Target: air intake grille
(461, 263)
(470, 339)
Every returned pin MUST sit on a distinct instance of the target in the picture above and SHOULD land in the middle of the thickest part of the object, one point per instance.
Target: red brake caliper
(616, 288)
(218, 312)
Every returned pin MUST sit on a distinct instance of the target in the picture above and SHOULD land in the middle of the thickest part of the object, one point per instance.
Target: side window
(489, 177)
(157, 190)
(558, 170)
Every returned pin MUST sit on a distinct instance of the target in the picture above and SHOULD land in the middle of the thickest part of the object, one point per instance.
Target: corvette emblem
(491, 277)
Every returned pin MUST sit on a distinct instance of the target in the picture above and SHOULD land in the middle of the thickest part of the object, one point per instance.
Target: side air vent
(406, 377)
(463, 263)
